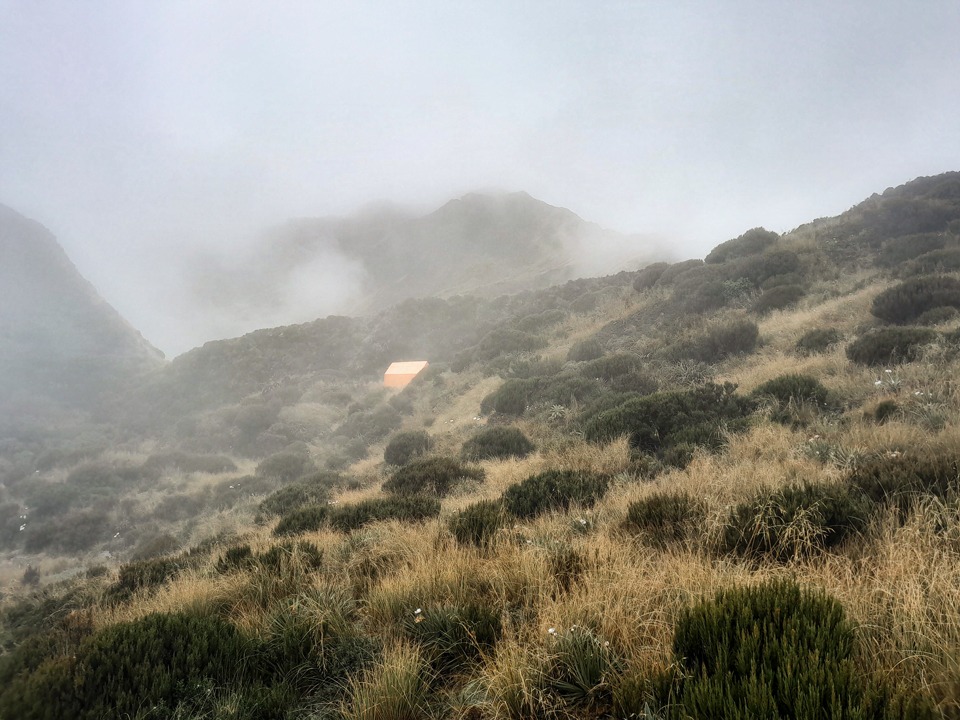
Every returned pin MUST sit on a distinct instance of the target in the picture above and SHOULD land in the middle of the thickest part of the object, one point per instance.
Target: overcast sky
(140, 131)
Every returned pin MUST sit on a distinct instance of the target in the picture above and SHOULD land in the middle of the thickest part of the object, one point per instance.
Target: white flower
(23, 527)
(552, 631)
(888, 371)
(418, 611)
(582, 521)
(878, 383)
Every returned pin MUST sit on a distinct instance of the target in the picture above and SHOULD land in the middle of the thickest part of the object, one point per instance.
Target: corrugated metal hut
(399, 374)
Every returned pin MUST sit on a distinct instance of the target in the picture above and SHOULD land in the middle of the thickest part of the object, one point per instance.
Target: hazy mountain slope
(480, 244)
(59, 340)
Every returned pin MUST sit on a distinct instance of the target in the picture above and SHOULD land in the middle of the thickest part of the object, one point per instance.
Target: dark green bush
(818, 340)
(301, 520)
(611, 366)
(554, 490)
(479, 523)
(285, 466)
(504, 341)
(938, 261)
(238, 557)
(585, 350)
(145, 574)
(654, 422)
(160, 662)
(889, 346)
(312, 490)
(433, 475)
(497, 443)
(937, 316)
(901, 480)
(370, 425)
(907, 301)
(899, 250)
(406, 508)
(74, 532)
(648, 276)
(777, 651)
(665, 517)
(885, 411)
(793, 392)
(404, 447)
(777, 298)
(719, 342)
(511, 398)
(751, 242)
(676, 270)
(795, 521)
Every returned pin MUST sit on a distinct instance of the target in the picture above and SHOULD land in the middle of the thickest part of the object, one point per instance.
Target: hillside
(61, 344)
(481, 245)
(718, 488)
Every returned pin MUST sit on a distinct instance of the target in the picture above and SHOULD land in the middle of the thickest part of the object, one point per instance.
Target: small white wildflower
(418, 611)
(116, 535)
(23, 527)
(582, 521)
(606, 644)
(231, 487)
(552, 631)
(878, 383)
(888, 371)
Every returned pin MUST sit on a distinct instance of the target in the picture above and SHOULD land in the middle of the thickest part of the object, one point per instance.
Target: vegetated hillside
(481, 244)
(61, 344)
(716, 489)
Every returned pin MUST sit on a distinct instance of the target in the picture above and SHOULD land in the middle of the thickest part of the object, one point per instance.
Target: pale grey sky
(139, 132)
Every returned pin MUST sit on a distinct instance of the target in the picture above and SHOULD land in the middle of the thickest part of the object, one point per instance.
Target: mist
(161, 142)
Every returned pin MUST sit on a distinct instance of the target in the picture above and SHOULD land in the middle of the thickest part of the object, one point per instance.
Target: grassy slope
(899, 581)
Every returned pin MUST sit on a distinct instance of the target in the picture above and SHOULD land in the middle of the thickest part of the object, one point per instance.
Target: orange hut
(399, 374)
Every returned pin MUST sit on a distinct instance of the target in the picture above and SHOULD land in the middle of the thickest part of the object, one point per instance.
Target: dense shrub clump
(777, 651)
(611, 366)
(901, 480)
(585, 350)
(777, 298)
(752, 242)
(433, 475)
(404, 447)
(648, 276)
(554, 490)
(655, 422)
(888, 346)
(907, 301)
(406, 508)
(792, 396)
(818, 340)
(497, 443)
(719, 342)
(312, 490)
(285, 466)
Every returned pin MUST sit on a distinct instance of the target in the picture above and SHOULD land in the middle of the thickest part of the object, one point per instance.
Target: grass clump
(554, 490)
(314, 490)
(777, 651)
(889, 346)
(478, 524)
(452, 636)
(581, 668)
(301, 520)
(901, 480)
(734, 337)
(794, 522)
(497, 443)
(665, 517)
(396, 688)
(405, 508)
(434, 476)
(404, 447)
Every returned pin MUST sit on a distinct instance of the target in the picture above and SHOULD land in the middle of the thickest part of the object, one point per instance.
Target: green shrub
(698, 416)
(511, 398)
(900, 480)
(504, 341)
(792, 394)
(585, 350)
(478, 524)
(74, 532)
(404, 447)
(285, 466)
(907, 301)
(777, 298)
(554, 490)
(370, 425)
(795, 521)
(238, 557)
(304, 519)
(719, 342)
(885, 411)
(145, 574)
(751, 242)
(818, 340)
(777, 651)
(937, 316)
(937, 261)
(312, 490)
(406, 508)
(433, 475)
(676, 270)
(159, 662)
(497, 443)
(648, 276)
(889, 346)
(896, 251)
(611, 366)
(665, 517)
